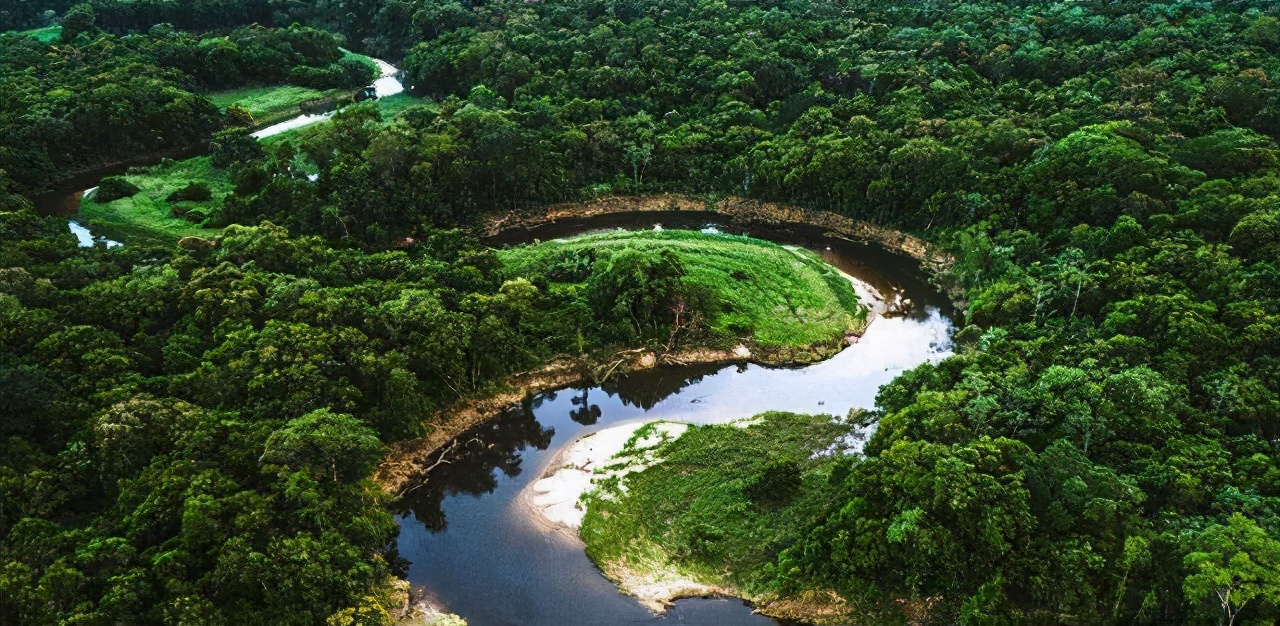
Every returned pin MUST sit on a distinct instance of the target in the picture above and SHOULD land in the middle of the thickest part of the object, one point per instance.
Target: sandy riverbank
(405, 462)
(554, 503)
(580, 466)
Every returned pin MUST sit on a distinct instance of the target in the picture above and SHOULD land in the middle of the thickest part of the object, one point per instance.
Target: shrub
(197, 192)
(777, 484)
(357, 72)
(317, 77)
(236, 116)
(113, 188)
(234, 145)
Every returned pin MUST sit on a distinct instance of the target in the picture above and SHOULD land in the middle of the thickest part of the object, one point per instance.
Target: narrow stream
(478, 548)
(386, 85)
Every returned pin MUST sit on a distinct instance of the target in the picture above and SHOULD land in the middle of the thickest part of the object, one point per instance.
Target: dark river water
(477, 547)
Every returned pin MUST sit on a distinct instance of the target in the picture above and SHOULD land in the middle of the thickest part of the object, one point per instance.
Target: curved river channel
(479, 549)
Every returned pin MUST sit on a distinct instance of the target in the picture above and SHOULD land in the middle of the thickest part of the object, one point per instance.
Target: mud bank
(737, 211)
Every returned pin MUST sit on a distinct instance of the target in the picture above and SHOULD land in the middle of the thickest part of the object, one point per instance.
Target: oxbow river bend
(479, 549)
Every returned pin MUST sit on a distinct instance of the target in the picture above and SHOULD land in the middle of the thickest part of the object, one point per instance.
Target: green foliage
(267, 104)
(126, 97)
(190, 437)
(778, 482)
(78, 20)
(113, 188)
(324, 445)
(234, 146)
(171, 200)
(1232, 565)
(1101, 448)
(697, 508)
(641, 284)
(194, 191)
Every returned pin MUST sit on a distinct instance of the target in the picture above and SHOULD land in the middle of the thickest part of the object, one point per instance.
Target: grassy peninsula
(150, 215)
(717, 510)
(751, 290)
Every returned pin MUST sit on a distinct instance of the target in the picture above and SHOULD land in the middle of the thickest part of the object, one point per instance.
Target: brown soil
(738, 210)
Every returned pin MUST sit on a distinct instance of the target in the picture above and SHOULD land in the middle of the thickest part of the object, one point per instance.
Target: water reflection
(473, 466)
(476, 460)
(87, 239)
(645, 389)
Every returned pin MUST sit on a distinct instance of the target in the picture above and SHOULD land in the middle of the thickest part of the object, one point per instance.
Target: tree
(635, 290)
(1233, 565)
(79, 19)
(330, 447)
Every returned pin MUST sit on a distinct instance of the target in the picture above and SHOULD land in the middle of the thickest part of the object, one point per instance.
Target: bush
(777, 484)
(236, 116)
(357, 72)
(197, 192)
(234, 145)
(113, 188)
(317, 77)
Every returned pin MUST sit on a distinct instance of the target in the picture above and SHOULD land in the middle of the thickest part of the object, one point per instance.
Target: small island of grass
(712, 509)
(729, 289)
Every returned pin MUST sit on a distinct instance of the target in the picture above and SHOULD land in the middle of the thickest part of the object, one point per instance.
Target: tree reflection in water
(468, 467)
(647, 388)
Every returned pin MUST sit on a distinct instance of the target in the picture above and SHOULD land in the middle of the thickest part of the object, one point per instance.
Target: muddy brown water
(475, 546)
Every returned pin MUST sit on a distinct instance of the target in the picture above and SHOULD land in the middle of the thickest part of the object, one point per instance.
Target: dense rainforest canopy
(186, 433)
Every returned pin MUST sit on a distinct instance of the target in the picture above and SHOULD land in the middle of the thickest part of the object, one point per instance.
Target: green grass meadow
(721, 504)
(778, 295)
(147, 216)
(48, 34)
(271, 104)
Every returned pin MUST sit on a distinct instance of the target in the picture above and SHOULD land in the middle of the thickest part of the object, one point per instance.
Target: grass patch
(390, 106)
(722, 502)
(148, 216)
(46, 35)
(271, 104)
(771, 295)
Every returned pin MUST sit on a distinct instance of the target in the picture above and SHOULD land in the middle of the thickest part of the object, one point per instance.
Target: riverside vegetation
(769, 295)
(188, 430)
(720, 504)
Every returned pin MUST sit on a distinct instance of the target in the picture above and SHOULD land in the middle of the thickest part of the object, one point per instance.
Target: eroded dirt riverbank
(736, 211)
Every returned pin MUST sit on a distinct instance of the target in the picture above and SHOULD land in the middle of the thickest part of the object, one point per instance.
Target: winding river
(477, 546)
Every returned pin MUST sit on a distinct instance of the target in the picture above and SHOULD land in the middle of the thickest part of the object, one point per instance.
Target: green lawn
(775, 296)
(148, 216)
(48, 34)
(272, 104)
(720, 505)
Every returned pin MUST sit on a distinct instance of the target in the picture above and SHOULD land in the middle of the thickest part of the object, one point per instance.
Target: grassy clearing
(390, 106)
(771, 295)
(48, 34)
(272, 104)
(720, 505)
(148, 216)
